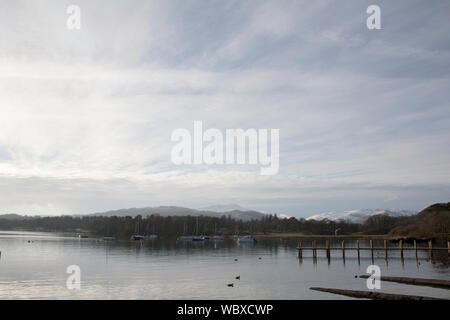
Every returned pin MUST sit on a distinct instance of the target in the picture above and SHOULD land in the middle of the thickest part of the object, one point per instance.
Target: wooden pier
(386, 248)
(372, 294)
(435, 283)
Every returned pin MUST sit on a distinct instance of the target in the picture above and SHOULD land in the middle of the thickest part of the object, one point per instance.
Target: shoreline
(343, 237)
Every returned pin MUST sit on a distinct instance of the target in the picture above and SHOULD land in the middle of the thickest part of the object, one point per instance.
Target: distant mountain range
(224, 208)
(360, 215)
(238, 212)
(11, 216)
(221, 210)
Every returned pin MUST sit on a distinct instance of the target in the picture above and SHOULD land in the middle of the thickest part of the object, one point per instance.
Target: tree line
(124, 227)
(434, 221)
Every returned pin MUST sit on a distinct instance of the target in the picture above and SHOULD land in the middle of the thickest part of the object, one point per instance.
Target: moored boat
(246, 239)
(185, 238)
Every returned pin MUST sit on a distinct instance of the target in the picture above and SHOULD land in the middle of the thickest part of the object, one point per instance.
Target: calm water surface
(33, 266)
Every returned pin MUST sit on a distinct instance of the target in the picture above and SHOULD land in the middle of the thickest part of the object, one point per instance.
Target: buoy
(235, 259)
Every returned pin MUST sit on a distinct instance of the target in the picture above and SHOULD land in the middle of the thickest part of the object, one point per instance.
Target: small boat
(136, 236)
(246, 239)
(206, 237)
(197, 238)
(82, 236)
(185, 238)
(109, 238)
(215, 237)
(151, 237)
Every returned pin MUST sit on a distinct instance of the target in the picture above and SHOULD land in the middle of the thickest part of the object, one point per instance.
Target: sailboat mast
(196, 231)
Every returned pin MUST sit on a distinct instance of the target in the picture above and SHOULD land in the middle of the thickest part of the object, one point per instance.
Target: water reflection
(171, 269)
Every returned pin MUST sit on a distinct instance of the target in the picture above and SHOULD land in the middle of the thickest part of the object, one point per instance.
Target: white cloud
(90, 114)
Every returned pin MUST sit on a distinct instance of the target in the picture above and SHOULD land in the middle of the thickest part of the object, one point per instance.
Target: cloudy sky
(86, 115)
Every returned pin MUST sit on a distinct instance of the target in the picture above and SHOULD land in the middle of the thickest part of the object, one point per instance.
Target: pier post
(343, 249)
(328, 250)
(401, 249)
(430, 248)
(300, 250)
(371, 249)
(385, 250)
(314, 249)
(357, 248)
(415, 248)
(448, 246)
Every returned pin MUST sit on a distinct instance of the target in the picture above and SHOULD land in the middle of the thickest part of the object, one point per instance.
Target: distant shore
(347, 236)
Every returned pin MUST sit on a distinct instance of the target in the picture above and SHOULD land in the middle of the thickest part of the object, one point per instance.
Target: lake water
(33, 266)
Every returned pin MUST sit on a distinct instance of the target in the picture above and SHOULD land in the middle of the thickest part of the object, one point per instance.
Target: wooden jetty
(373, 294)
(436, 283)
(386, 248)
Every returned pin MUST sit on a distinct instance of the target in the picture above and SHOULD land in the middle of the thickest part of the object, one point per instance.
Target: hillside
(165, 211)
(224, 208)
(11, 216)
(433, 221)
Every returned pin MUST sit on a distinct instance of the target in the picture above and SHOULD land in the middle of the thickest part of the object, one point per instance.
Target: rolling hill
(181, 211)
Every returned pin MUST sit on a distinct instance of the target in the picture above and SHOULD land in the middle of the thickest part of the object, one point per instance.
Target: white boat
(246, 239)
(197, 238)
(136, 236)
(109, 238)
(216, 237)
(152, 235)
(185, 238)
(192, 238)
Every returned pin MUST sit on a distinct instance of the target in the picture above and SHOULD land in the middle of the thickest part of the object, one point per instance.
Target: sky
(86, 116)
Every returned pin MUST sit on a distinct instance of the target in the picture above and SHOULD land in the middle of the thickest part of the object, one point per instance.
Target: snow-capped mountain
(360, 215)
